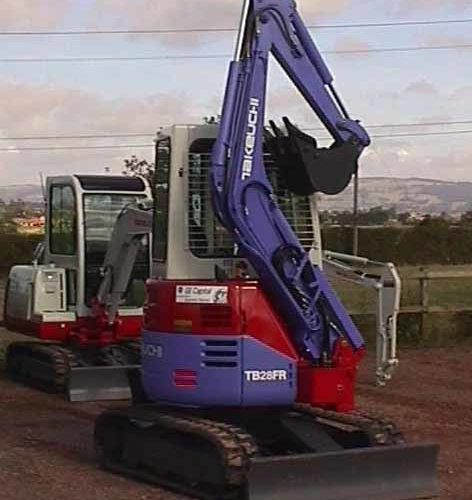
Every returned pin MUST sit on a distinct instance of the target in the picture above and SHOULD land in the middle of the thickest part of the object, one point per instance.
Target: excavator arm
(383, 278)
(132, 225)
(243, 196)
(95, 383)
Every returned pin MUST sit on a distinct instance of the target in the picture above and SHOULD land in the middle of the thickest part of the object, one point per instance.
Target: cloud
(461, 96)
(415, 158)
(418, 5)
(418, 88)
(447, 39)
(49, 109)
(192, 14)
(22, 14)
(152, 14)
(351, 43)
(30, 110)
(422, 87)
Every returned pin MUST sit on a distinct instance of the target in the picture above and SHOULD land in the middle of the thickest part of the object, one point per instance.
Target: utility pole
(355, 213)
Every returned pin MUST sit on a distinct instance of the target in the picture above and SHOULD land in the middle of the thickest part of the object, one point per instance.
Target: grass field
(439, 329)
(455, 292)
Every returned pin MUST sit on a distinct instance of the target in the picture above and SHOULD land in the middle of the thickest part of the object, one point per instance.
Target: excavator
(81, 299)
(249, 359)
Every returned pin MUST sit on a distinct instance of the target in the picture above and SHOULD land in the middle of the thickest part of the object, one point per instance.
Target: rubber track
(234, 446)
(54, 355)
(58, 356)
(380, 431)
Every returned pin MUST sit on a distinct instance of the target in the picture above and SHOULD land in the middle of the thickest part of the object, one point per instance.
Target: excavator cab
(53, 299)
(185, 220)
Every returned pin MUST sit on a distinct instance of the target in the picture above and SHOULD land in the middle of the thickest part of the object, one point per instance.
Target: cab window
(161, 201)
(63, 221)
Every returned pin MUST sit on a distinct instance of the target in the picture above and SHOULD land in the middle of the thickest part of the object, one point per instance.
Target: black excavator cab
(305, 167)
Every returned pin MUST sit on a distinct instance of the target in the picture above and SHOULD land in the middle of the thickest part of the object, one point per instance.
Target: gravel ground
(430, 399)
(46, 447)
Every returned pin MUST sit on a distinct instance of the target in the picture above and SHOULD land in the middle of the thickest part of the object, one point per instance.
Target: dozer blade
(99, 383)
(381, 473)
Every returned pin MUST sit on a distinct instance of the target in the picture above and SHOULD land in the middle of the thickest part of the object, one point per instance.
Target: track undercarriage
(291, 454)
(84, 374)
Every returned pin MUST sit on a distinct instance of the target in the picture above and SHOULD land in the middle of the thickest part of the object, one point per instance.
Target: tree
(404, 218)
(466, 219)
(134, 166)
(7, 225)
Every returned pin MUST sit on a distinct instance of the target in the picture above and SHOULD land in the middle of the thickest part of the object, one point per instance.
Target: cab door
(62, 239)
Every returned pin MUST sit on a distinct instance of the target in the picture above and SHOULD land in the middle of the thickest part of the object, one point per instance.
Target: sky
(137, 97)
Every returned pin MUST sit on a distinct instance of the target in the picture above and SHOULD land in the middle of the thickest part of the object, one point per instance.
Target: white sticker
(201, 294)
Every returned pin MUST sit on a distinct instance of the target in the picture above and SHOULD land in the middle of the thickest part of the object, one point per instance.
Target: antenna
(43, 187)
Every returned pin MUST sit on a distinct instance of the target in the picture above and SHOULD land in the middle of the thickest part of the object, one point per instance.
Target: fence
(425, 293)
(426, 279)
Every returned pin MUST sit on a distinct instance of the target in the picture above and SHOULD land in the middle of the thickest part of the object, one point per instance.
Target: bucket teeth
(305, 167)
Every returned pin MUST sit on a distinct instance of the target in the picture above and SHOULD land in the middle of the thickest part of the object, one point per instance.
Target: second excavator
(81, 299)
(248, 373)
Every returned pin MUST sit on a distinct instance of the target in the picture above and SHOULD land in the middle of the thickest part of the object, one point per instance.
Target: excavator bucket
(380, 473)
(305, 167)
(99, 383)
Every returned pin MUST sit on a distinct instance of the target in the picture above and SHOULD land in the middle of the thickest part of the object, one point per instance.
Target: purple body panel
(217, 371)
(242, 194)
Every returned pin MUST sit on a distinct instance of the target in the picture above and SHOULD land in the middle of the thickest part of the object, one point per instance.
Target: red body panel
(83, 332)
(332, 387)
(248, 312)
(55, 331)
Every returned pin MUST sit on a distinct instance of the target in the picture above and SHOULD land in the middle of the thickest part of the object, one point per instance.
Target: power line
(177, 31)
(401, 125)
(112, 58)
(147, 134)
(223, 56)
(401, 49)
(64, 148)
(423, 134)
(421, 124)
(150, 145)
(417, 134)
(431, 22)
(79, 136)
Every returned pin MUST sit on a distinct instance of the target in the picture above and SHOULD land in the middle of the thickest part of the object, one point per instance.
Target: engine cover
(221, 344)
(215, 344)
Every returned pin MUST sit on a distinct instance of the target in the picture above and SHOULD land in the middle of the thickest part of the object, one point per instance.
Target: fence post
(424, 297)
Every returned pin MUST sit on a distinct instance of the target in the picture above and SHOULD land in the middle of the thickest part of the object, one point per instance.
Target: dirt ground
(46, 444)
(430, 399)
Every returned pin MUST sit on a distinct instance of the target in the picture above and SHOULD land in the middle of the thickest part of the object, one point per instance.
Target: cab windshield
(100, 214)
